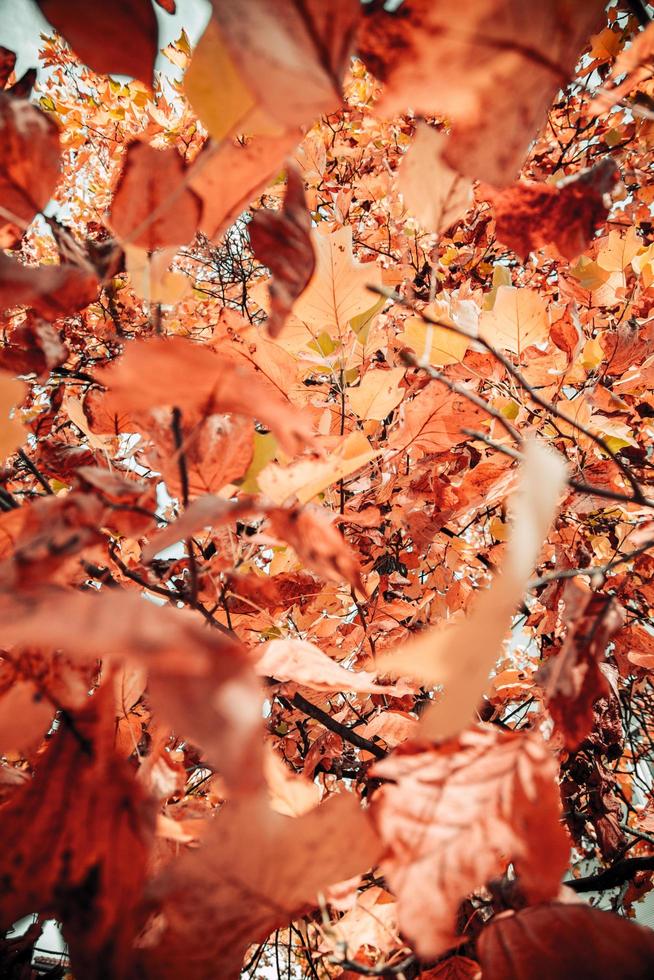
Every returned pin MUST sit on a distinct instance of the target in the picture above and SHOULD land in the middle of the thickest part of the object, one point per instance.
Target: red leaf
(82, 825)
(282, 241)
(52, 290)
(565, 941)
(152, 207)
(530, 215)
(30, 163)
(7, 63)
(115, 37)
(571, 678)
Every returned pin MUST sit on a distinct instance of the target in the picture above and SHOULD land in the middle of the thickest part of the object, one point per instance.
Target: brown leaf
(52, 290)
(30, 163)
(481, 47)
(530, 215)
(255, 871)
(453, 818)
(81, 826)
(454, 968)
(571, 678)
(200, 680)
(565, 941)
(7, 64)
(203, 512)
(433, 421)
(282, 241)
(180, 373)
(318, 542)
(117, 37)
(152, 207)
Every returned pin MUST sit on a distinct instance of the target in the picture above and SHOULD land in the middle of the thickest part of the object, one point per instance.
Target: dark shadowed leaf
(116, 37)
(565, 941)
(282, 241)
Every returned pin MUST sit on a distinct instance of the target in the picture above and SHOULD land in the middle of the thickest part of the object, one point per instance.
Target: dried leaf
(152, 207)
(565, 941)
(434, 193)
(30, 165)
(282, 241)
(456, 814)
(572, 678)
(117, 38)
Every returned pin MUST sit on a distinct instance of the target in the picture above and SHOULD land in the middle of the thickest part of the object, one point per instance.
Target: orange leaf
(456, 814)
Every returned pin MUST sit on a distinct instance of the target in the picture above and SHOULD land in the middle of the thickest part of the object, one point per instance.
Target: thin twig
(638, 495)
(592, 570)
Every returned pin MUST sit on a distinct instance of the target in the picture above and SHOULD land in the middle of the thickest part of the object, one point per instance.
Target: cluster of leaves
(285, 330)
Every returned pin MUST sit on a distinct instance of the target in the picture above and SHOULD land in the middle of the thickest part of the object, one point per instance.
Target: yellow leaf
(378, 394)
(438, 345)
(309, 477)
(590, 275)
(501, 277)
(434, 193)
(592, 354)
(517, 320)
(218, 93)
(265, 448)
(338, 289)
(618, 251)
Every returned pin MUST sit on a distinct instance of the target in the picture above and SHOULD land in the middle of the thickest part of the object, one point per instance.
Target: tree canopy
(326, 494)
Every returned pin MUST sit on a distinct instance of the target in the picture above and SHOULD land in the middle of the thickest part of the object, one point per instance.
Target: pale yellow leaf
(618, 250)
(438, 345)
(434, 193)
(151, 278)
(378, 394)
(518, 320)
(338, 289)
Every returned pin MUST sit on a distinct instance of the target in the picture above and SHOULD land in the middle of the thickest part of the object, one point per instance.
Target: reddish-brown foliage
(325, 491)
